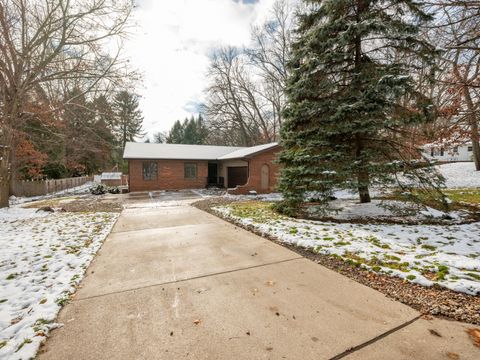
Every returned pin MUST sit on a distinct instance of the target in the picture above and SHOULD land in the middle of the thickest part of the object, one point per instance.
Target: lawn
(44, 257)
(444, 255)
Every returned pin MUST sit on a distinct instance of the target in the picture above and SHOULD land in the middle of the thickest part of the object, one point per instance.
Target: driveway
(173, 282)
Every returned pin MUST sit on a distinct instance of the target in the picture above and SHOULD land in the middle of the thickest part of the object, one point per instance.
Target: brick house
(177, 166)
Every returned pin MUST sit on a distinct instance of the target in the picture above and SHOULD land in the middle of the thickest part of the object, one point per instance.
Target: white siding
(449, 154)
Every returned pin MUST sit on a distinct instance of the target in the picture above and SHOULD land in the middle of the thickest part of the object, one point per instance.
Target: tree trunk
(363, 187)
(363, 177)
(4, 177)
(473, 123)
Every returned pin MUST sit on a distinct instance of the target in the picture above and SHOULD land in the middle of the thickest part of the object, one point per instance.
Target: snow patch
(44, 256)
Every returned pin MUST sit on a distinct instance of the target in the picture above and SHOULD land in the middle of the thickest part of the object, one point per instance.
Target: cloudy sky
(171, 46)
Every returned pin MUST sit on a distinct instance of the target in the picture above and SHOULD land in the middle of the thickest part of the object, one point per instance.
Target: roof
(111, 176)
(249, 151)
(175, 151)
(190, 152)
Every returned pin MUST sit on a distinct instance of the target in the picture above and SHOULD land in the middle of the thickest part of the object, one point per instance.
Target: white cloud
(171, 44)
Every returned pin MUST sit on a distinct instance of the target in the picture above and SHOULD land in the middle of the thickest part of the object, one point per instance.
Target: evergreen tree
(159, 137)
(190, 131)
(176, 133)
(351, 98)
(128, 117)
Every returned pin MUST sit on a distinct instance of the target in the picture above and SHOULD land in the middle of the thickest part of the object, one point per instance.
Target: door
(212, 173)
(265, 177)
(237, 176)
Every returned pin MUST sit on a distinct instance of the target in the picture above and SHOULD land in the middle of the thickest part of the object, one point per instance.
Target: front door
(212, 173)
(237, 176)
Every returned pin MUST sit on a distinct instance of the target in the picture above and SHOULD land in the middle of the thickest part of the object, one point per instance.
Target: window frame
(150, 163)
(185, 172)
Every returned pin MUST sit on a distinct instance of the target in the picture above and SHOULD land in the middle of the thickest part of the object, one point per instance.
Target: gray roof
(246, 152)
(175, 151)
(111, 176)
(189, 152)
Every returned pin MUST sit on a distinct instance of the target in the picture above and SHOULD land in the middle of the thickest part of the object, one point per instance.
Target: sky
(170, 47)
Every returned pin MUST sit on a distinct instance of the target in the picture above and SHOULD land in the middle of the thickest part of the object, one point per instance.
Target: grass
(471, 196)
(26, 341)
(258, 211)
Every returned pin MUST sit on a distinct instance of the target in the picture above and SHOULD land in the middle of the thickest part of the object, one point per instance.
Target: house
(461, 150)
(178, 166)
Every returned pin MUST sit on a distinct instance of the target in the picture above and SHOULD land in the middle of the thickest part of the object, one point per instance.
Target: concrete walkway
(173, 282)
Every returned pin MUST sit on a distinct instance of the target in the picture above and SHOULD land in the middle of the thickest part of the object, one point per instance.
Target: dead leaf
(270, 283)
(269, 348)
(453, 356)
(434, 332)
(474, 335)
(427, 317)
(314, 339)
(197, 321)
(16, 320)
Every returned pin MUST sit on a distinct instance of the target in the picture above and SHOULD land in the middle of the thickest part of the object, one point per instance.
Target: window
(455, 150)
(470, 148)
(190, 170)
(442, 152)
(150, 170)
(432, 152)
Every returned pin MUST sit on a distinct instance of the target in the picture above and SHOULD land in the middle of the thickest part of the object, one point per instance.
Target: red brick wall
(170, 176)
(255, 168)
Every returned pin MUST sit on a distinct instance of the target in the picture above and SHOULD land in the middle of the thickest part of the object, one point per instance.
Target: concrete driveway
(173, 282)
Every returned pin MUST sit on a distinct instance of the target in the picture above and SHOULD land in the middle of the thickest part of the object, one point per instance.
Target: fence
(44, 187)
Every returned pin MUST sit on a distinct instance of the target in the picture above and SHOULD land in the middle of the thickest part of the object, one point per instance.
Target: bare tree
(245, 97)
(232, 111)
(49, 46)
(457, 31)
(270, 54)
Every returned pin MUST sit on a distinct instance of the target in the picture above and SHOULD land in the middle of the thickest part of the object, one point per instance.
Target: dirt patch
(428, 300)
(83, 204)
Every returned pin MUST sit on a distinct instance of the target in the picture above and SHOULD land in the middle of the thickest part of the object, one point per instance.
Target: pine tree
(190, 131)
(128, 116)
(351, 98)
(176, 133)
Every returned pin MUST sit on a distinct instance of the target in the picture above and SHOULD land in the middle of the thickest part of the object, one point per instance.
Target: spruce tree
(351, 98)
(128, 117)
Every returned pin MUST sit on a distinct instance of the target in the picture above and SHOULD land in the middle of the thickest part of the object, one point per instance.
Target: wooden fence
(44, 187)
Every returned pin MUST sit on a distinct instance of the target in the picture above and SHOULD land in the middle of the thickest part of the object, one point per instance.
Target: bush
(100, 189)
(114, 190)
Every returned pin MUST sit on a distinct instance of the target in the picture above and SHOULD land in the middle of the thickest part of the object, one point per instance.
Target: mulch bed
(433, 300)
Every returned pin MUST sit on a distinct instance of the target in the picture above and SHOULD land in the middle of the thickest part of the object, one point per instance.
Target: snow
(460, 175)
(413, 252)
(350, 209)
(44, 256)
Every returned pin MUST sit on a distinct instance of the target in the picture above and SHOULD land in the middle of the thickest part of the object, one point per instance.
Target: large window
(150, 170)
(190, 170)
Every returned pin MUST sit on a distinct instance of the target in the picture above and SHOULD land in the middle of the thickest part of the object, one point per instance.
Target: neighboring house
(445, 151)
(178, 166)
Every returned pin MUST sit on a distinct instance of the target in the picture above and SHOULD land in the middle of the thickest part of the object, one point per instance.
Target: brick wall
(255, 168)
(170, 176)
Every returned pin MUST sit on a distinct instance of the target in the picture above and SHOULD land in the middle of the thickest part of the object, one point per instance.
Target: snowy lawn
(446, 255)
(44, 256)
(460, 175)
